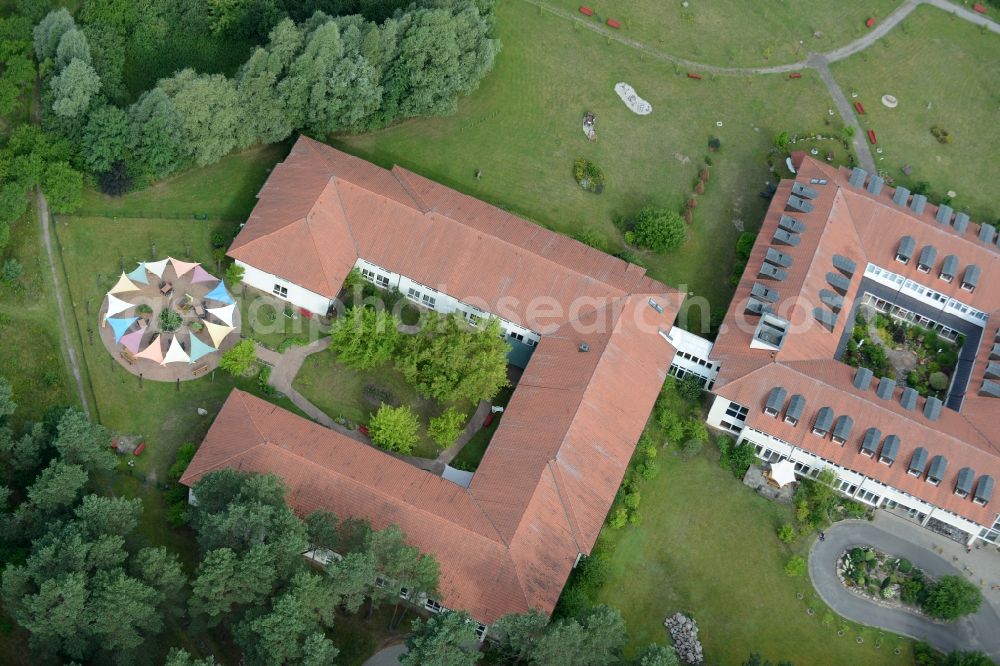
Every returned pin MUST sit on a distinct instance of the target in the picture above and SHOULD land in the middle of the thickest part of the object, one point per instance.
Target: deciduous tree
(365, 337)
(446, 428)
(74, 89)
(238, 359)
(660, 229)
(443, 640)
(395, 428)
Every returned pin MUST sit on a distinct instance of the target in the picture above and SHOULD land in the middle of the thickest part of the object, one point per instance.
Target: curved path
(977, 632)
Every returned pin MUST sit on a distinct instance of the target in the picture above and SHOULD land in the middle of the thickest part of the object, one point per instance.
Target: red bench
(692, 75)
(614, 24)
(979, 8)
(795, 75)
(871, 136)
(488, 421)
(870, 22)
(363, 429)
(859, 107)
(586, 11)
(139, 449)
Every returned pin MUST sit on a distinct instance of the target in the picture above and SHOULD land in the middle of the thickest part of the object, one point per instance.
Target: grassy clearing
(340, 392)
(224, 190)
(734, 33)
(32, 358)
(523, 129)
(690, 554)
(943, 71)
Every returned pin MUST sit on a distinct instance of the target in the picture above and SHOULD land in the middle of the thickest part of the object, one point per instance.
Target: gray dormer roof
(943, 215)
(885, 388)
(963, 482)
(917, 203)
(844, 265)
(900, 196)
(932, 409)
(869, 443)
(798, 204)
(825, 317)
(801, 190)
(919, 460)
(984, 489)
(995, 352)
(843, 426)
(857, 178)
(928, 254)
(778, 258)
(824, 420)
(992, 370)
(765, 294)
(949, 268)
(784, 238)
(990, 389)
(796, 406)
(908, 398)
(939, 464)
(773, 272)
(863, 379)
(961, 222)
(790, 224)
(838, 281)
(875, 184)
(890, 448)
(831, 299)
(776, 399)
(971, 276)
(987, 232)
(757, 307)
(907, 246)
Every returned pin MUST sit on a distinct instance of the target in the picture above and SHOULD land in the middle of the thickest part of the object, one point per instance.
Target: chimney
(584, 347)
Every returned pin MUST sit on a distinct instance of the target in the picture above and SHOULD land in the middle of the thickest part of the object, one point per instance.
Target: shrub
(11, 271)
(714, 144)
(699, 188)
(796, 566)
(588, 175)
(938, 381)
(267, 314)
(781, 140)
(691, 388)
(648, 470)
(591, 238)
(263, 377)
(170, 320)
(294, 341)
(703, 175)
(240, 358)
(660, 229)
(446, 428)
(218, 240)
(952, 597)
(787, 533)
(904, 566)
(144, 309)
(695, 436)
(630, 257)
(744, 244)
(737, 458)
(911, 590)
(619, 518)
(395, 428)
(234, 275)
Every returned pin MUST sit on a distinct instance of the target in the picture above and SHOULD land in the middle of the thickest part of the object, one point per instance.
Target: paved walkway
(286, 365)
(977, 632)
(386, 657)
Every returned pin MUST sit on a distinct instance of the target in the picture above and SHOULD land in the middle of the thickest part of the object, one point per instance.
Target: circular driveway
(976, 632)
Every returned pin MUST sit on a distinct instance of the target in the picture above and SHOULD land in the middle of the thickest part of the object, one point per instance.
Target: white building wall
(692, 356)
(297, 296)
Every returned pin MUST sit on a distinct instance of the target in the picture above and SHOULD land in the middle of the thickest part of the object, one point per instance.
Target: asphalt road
(976, 632)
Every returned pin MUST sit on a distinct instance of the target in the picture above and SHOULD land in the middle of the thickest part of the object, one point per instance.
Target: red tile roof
(553, 467)
(863, 227)
(539, 498)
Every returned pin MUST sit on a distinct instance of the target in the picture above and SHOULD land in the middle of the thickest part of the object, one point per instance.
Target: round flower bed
(170, 320)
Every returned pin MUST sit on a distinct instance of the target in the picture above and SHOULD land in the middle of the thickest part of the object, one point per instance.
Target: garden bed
(882, 578)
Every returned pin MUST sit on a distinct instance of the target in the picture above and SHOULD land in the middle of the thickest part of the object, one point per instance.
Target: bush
(630, 257)
(263, 377)
(591, 238)
(395, 428)
(695, 436)
(170, 320)
(904, 566)
(737, 458)
(796, 566)
(234, 275)
(660, 230)
(714, 144)
(787, 533)
(744, 244)
(446, 428)
(938, 381)
(691, 388)
(588, 175)
(952, 597)
(240, 358)
(11, 271)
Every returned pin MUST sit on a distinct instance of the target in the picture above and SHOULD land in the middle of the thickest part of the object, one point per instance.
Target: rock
(202, 411)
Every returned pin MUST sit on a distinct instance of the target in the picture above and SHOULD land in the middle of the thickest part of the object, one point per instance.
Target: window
(530, 342)
(404, 593)
(968, 287)
(737, 411)
(377, 278)
(732, 427)
(480, 631)
(516, 336)
(280, 291)
(433, 606)
(473, 319)
(428, 300)
(368, 274)
(413, 293)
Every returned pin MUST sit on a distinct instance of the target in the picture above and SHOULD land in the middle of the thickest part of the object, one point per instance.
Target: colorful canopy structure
(120, 325)
(116, 305)
(176, 353)
(123, 285)
(217, 332)
(139, 274)
(154, 352)
(225, 313)
(201, 275)
(156, 267)
(199, 348)
(182, 267)
(131, 341)
(219, 294)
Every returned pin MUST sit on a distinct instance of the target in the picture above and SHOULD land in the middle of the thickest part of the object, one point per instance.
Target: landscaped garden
(943, 72)
(905, 352)
(887, 579)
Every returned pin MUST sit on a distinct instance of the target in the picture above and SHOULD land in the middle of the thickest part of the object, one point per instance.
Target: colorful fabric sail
(201, 275)
(116, 305)
(139, 274)
(199, 348)
(219, 294)
(131, 341)
(123, 285)
(224, 313)
(217, 332)
(182, 267)
(176, 353)
(120, 325)
(154, 352)
(156, 267)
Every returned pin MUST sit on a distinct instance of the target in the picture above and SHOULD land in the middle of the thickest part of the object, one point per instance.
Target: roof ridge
(330, 184)
(574, 527)
(399, 173)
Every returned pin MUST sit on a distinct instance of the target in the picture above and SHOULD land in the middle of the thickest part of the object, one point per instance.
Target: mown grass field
(522, 128)
(707, 546)
(944, 72)
(735, 33)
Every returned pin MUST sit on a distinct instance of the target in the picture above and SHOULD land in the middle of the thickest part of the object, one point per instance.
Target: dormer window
(906, 248)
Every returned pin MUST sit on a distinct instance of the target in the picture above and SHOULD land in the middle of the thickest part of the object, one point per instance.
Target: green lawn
(944, 72)
(225, 190)
(340, 392)
(522, 128)
(736, 33)
(707, 546)
(32, 358)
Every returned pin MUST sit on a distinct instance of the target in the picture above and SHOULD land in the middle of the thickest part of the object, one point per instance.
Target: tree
(656, 655)
(208, 108)
(72, 46)
(796, 566)
(516, 634)
(74, 88)
(57, 487)
(132, 603)
(595, 640)
(659, 229)
(353, 576)
(449, 362)
(786, 533)
(109, 515)
(155, 136)
(781, 140)
(240, 358)
(446, 428)
(395, 428)
(321, 529)
(82, 442)
(7, 404)
(441, 640)
(181, 657)
(234, 274)
(105, 137)
(63, 187)
(966, 658)
(161, 570)
(365, 337)
(49, 31)
(225, 580)
(952, 597)
(691, 387)
(695, 436)
(744, 245)
(13, 203)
